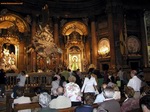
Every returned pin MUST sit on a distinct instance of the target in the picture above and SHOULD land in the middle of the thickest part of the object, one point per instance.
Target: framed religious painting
(133, 45)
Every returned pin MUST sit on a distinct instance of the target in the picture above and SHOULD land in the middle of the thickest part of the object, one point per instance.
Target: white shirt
(22, 100)
(22, 81)
(135, 83)
(99, 98)
(60, 102)
(88, 85)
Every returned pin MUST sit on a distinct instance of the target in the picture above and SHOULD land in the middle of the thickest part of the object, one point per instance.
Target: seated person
(130, 102)
(88, 102)
(44, 100)
(117, 93)
(100, 97)
(144, 90)
(37, 92)
(109, 104)
(21, 99)
(61, 101)
(145, 103)
(73, 92)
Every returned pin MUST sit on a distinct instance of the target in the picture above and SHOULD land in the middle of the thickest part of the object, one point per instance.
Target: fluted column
(94, 42)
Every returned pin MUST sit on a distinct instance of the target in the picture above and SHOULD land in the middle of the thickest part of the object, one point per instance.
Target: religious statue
(74, 65)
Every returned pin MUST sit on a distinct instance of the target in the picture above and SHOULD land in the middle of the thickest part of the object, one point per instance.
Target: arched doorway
(74, 33)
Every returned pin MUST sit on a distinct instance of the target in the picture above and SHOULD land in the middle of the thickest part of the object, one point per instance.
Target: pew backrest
(26, 106)
(34, 105)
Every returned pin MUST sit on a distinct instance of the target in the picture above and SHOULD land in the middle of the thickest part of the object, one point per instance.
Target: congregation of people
(112, 92)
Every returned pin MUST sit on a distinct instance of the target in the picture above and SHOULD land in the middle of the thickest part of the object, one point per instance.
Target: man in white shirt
(135, 83)
(21, 99)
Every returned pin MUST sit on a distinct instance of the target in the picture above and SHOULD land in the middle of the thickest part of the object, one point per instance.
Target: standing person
(73, 92)
(89, 85)
(135, 83)
(21, 79)
(2, 82)
(65, 73)
(120, 75)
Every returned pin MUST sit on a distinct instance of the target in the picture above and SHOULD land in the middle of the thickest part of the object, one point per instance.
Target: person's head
(37, 90)
(108, 92)
(60, 91)
(72, 78)
(91, 70)
(89, 98)
(129, 92)
(23, 73)
(133, 73)
(44, 99)
(103, 86)
(20, 92)
(145, 103)
(145, 90)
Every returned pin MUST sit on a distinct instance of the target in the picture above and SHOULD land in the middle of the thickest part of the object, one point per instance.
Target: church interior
(44, 35)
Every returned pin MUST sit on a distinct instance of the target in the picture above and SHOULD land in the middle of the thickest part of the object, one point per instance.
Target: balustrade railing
(32, 79)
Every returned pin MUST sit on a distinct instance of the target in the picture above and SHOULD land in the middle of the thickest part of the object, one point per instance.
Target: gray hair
(108, 92)
(44, 99)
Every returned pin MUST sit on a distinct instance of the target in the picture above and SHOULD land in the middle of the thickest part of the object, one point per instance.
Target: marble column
(94, 42)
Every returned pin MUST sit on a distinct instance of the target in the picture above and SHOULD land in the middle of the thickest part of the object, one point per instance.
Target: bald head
(133, 73)
(60, 91)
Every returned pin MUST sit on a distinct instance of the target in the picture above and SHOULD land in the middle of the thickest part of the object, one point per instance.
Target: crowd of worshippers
(112, 93)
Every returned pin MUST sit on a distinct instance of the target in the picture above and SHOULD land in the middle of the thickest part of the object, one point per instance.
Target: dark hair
(145, 100)
(20, 91)
(37, 90)
(91, 70)
(89, 98)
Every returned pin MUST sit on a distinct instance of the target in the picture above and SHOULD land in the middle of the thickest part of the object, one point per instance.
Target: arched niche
(9, 54)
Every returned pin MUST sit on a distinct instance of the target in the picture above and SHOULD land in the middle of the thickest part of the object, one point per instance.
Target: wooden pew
(26, 106)
(71, 109)
(37, 105)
